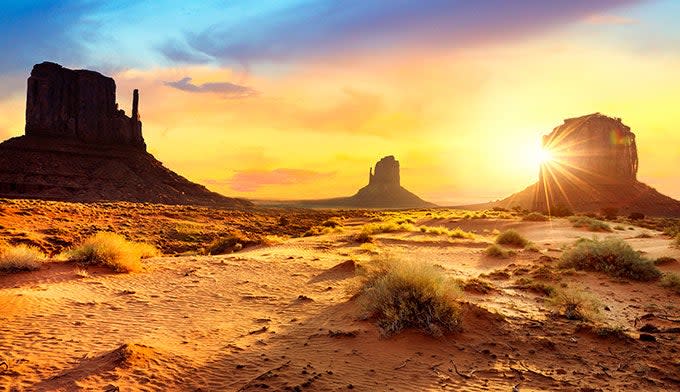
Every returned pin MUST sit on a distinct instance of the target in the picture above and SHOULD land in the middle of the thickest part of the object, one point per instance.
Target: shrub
(20, 258)
(387, 227)
(636, 216)
(455, 233)
(590, 223)
(476, 285)
(535, 217)
(612, 256)
(512, 238)
(672, 281)
(363, 237)
(575, 304)
(332, 222)
(112, 250)
(663, 260)
(232, 242)
(497, 251)
(408, 294)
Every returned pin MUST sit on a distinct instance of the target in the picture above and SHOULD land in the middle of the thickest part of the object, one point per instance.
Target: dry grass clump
(575, 304)
(589, 223)
(476, 285)
(231, 242)
(387, 227)
(612, 256)
(441, 230)
(332, 222)
(112, 250)
(512, 238)
(409, 294)
(321, 230)
(535, 217)
(671, 281)
(497, 251)
(20, 258)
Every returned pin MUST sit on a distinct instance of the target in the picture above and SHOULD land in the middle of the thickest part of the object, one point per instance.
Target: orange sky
(464, 123)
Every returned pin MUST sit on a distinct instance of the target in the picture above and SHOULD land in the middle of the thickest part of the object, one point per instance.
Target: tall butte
(594, 166)
(384, 190)
(79, 146)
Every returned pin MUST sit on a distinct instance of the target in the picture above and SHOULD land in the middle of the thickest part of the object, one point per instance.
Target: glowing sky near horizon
(296, 99)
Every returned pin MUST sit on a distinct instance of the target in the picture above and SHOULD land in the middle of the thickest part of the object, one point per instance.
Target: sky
(296, 99)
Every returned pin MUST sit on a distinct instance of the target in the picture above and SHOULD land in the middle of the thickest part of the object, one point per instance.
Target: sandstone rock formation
(594, 166)
(384, 190)
(80, 147)
(79, 105)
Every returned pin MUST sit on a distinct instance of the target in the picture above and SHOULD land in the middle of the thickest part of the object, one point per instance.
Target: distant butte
(79, 146)
(594, 166)
(384, 190)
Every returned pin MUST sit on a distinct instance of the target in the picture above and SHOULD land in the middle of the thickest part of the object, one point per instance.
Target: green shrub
(672, 281)
(612, 256)
(512, 238)
(535, 217)
(112, 250)
(408, 294)
(20, 258)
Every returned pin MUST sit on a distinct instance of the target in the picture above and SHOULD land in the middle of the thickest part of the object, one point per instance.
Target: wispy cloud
(252, 180)
(337, 28)
(226, 89)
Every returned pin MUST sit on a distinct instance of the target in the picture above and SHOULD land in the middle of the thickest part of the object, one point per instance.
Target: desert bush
(455, 233)
(663, 260)
(332, 222)
(20, 258)
(590, 223)
(575, 304)
(229, 243)
(387, 227)
(409, 294)
(612, 256)
(672, 281)
(321, 230)
(362, 237)
(512, 238)
(112, 250)
(636, 216)
(535, 217)
(495, 250)
(644, 234)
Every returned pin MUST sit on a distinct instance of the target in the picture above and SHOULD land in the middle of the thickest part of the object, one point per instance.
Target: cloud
(252, 180)
(331, 28)
(228, 90)
(608, 19)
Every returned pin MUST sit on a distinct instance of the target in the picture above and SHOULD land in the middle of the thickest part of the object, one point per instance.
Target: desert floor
(284, 317)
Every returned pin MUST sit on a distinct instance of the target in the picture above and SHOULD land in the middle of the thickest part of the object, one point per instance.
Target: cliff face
(79, 105)
(79, 147)
(594, 166)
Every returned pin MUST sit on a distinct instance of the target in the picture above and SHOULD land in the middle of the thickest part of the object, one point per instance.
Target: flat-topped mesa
(386, 172)
(594, 149)
(79, 105)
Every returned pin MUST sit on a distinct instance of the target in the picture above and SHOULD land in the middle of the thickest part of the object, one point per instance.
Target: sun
(543, 156)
